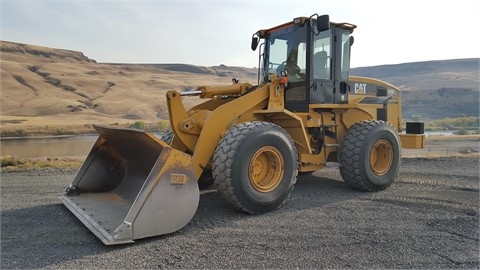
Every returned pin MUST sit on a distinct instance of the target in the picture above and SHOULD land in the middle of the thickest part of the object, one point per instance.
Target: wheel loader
(250, 140)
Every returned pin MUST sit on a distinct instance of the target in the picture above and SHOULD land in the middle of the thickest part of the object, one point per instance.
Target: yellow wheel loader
(251, 141)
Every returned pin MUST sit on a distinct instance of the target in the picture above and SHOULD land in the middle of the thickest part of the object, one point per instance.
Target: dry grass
(442, 155)
(447, 146)
(10, 163)
(436, 147)
(66, 88)
(54, 128)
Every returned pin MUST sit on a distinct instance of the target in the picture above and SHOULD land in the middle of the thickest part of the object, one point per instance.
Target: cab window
(322, 54)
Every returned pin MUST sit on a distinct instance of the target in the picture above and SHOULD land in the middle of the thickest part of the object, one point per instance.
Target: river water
(69, 145)
(48, 146)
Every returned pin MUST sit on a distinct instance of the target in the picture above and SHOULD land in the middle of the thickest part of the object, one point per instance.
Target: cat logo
(360, 88)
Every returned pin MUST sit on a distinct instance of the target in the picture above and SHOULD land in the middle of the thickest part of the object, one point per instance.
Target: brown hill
(44, 86)
(48, 87)
(433, 89)
(18, 52)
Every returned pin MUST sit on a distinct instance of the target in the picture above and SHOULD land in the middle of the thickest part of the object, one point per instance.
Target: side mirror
(351, 40)
(323, 23)
(254, 43)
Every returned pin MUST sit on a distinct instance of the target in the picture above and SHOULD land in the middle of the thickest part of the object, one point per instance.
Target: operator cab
(315, 54)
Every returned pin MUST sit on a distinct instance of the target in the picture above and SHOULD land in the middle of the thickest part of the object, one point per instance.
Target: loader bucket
(132, 186)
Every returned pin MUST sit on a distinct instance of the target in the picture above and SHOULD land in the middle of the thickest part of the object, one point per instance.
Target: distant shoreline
(58, 131)
(21, 131)
(454, 146)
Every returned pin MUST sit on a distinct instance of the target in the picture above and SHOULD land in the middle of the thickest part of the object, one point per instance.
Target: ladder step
(330, 134)
(332, 145)
(330, 125)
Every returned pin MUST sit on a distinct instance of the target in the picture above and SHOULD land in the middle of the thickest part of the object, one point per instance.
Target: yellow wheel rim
(266, 169)
(381, 157)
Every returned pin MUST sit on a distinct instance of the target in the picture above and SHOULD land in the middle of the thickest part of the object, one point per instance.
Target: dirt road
(429, 218)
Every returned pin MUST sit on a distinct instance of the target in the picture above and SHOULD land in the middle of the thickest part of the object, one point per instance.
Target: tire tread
(350, 154)
(224, 158)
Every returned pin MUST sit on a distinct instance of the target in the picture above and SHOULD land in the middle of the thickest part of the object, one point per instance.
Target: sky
(214, 32)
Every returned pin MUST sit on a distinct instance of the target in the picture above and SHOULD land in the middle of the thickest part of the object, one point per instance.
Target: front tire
(255, 167)
(370, 155)
(206, 179)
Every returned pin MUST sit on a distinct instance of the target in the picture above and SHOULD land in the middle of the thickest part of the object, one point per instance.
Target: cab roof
(302, 21)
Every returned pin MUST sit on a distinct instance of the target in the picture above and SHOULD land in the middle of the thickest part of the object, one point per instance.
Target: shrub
(461, 132)
(163, 125)
(138, 125)
(19, 133)
(53, 81)
(8, 161)
(69, 88)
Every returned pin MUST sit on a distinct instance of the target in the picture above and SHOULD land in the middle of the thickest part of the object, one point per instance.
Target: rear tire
(255, 167)
(370, 155)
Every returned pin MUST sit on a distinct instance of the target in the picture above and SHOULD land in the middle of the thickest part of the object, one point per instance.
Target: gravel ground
(429, 218)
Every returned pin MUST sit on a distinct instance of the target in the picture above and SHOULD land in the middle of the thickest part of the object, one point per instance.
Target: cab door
(330, 58)
(321, 68)
(343, 43)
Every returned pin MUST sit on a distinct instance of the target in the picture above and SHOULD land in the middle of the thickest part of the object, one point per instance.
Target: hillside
(44, 86)
(433, 89)
(47, 87)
